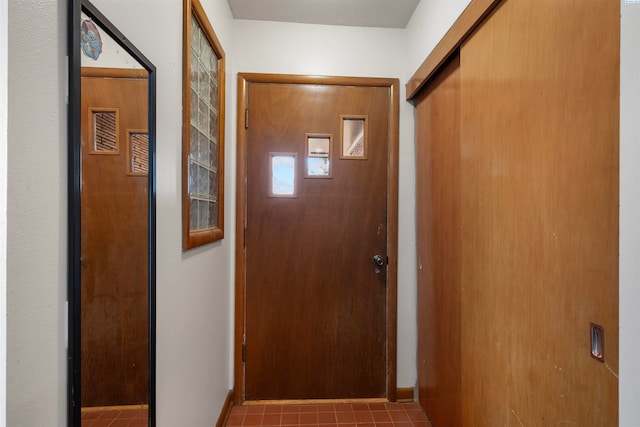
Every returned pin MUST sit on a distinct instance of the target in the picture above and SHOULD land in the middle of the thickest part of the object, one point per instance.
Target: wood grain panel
(316, 308)
(439, 246)
(114, 315)
(539, 214)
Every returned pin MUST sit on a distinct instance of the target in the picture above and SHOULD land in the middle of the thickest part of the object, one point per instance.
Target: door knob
(378, 260)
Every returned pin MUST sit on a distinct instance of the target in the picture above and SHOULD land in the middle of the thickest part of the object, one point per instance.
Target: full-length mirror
(112, 224)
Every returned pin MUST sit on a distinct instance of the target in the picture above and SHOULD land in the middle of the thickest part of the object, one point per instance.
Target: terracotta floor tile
(271, 419)
(91, 415)
(393, 407)
(416, 414)
(252, 420)
(324, 415)
(345, 417)
(240, 409)
(273, 409)
(127, 415)
(377, 406)
(109, 415)
(397, 416)
(256, 409)
(381, 416)
(327, 417)
(363, 417)
(235, 419)
(290, 419)
(308, 418)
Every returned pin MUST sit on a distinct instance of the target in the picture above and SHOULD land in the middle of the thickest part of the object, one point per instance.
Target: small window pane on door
(283, 175)
(139, 153)
(105, 131)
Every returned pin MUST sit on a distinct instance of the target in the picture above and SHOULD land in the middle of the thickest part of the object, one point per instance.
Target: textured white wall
(274, 47)
(429, 22)
(36, 217)
(4, 34)
(629, 215)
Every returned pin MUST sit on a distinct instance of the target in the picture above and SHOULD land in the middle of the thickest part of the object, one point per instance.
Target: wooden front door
(317, 305)
(114, 275)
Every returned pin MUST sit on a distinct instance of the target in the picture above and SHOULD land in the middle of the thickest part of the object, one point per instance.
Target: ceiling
(359, 13)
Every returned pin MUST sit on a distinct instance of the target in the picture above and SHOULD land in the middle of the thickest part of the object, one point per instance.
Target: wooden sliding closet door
(539, 84)
(438, 241)
(517, 197)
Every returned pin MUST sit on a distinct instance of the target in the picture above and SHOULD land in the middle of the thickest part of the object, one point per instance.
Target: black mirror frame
(75, 7)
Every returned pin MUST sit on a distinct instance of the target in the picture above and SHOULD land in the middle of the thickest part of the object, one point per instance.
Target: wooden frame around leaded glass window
(203, 130)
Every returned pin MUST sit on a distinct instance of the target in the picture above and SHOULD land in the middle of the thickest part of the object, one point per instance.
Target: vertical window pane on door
(354, 137)
(283, 175)
(105, 131)
(139, 153)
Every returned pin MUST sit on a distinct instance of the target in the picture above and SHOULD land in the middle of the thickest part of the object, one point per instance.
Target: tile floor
(116, 418)
(330, 415)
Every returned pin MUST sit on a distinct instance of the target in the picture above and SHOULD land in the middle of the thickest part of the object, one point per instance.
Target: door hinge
(244, 353)
(246, 118)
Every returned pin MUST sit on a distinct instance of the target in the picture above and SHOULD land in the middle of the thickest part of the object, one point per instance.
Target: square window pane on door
(318, 161)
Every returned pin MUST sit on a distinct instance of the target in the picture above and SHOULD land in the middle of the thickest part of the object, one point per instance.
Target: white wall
(629, 215)
(274, 47)
(4, 34)
(36, 237)
(193, 287)
(429, 22)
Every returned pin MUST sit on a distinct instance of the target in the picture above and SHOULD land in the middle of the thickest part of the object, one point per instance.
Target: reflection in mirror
(283, 175)
(138, 152)
(104, 128)
(112, 211)
(354, 137)
(318, 156)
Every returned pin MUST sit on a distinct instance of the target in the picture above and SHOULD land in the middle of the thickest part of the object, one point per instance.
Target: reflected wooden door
(114, 343)
(316, 303)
